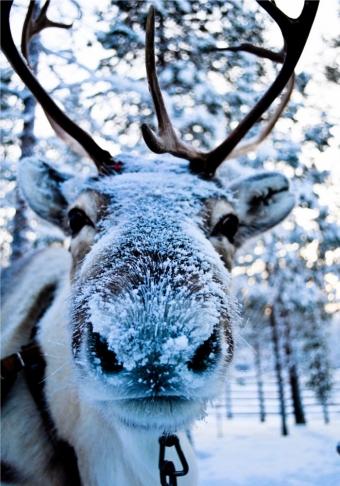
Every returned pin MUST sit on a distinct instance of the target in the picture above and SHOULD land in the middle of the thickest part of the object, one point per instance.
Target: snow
(249, 453)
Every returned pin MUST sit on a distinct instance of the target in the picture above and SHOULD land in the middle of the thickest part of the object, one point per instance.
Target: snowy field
(244, 452)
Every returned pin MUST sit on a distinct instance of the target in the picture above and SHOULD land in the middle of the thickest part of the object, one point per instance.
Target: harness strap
(31, 360)
(14, 363)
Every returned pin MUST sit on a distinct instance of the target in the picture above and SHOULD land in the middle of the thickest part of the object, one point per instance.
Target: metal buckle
(167, 468)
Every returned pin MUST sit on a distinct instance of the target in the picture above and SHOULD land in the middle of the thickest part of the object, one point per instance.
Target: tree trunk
(325, 412)
(259, 380)
(20, 242)
(278, 369)
(228, 401)
(298, 409)
(219, 422)
(299, 413)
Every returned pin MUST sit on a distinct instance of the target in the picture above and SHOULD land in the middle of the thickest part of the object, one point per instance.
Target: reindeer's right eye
(227, 226)
(77, 220)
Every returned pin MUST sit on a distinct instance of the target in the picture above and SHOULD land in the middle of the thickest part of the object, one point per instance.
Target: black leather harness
(31, 361)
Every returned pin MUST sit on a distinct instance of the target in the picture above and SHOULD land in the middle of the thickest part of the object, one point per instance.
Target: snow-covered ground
(244, 452)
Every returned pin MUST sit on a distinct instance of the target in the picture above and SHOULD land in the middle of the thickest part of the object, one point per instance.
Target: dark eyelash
(227, 226)
(77, 220)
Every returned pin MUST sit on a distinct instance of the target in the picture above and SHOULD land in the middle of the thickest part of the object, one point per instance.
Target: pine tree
(27, 141)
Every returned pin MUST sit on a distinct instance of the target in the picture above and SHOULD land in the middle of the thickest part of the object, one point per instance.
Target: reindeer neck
(104, 450)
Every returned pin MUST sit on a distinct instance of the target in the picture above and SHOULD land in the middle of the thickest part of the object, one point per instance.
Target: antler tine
(30, 29)
(242, 148)
(100, 157)
(258, 51)
(250, 145)
(34, 27)
(295, 33)
(167, 140)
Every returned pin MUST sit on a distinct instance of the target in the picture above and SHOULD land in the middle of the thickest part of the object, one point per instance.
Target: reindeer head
(151, 313)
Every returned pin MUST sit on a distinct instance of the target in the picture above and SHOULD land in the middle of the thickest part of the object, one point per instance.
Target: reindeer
(127, 337)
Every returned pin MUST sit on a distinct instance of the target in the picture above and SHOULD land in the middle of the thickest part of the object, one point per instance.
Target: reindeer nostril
(206, 354)
(108, 359)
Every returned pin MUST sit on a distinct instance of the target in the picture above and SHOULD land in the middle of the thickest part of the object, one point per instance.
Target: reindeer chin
(158, 414)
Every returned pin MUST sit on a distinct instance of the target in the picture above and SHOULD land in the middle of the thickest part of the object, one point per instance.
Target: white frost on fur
(155, 309)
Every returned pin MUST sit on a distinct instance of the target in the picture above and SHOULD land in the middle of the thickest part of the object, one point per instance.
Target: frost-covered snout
(153, 341)
(156, 366)
(204, 357)
(161, 324)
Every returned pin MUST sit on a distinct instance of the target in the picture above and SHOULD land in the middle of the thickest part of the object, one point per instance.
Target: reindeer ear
(41, 187)
(261, 202)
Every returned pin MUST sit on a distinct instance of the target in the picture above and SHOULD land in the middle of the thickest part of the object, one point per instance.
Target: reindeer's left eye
(77, 220)
(227, 226)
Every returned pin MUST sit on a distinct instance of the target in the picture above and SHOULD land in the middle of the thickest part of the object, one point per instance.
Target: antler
(242, 148)
(295, 33)
(75, 136)
(167, 141)
(34, 27)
